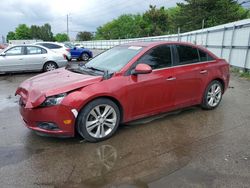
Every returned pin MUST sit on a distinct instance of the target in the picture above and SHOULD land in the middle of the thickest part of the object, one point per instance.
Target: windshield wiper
(81, 71)
(93, 68)
(106, 74)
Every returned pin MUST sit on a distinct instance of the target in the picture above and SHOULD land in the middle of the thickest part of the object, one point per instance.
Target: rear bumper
(62, 63)
(57, 115)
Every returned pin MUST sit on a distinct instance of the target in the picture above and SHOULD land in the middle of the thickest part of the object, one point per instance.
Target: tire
(49, 66)
(68, 59)
(85, 56)
(212, 96)
(103, 117)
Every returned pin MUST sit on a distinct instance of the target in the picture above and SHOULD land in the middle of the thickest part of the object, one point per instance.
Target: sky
(84, 15)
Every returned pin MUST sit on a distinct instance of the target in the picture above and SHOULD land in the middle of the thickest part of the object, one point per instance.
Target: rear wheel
(49, 66)
(85, 56)
(213, 95)
(98, 120)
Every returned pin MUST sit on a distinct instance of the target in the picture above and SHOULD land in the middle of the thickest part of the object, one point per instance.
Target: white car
(25, 58)
(57, 47)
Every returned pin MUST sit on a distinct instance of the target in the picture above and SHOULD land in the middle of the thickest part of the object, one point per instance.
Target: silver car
(57, 47)
(24, 58)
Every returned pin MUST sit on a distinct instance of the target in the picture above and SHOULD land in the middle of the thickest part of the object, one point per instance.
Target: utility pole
(67, 24)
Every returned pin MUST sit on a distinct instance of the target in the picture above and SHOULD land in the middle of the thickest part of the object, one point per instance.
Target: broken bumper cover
(56, 120)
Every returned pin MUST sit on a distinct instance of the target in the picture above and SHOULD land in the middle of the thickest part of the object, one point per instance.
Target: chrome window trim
(212, 61)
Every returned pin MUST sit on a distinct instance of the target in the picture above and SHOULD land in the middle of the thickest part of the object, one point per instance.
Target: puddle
(15, 154)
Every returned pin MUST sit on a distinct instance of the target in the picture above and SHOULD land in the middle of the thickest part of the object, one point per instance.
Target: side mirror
(3, 54)
(75, 48)
(142, 69)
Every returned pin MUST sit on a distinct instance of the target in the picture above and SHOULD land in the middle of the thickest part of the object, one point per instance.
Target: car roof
(155, 43)
(57, 43)
(36, 45)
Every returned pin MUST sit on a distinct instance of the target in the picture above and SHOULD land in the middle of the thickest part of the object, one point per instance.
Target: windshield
(114, 59)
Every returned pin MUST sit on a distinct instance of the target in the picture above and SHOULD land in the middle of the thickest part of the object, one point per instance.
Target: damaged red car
(125, 83)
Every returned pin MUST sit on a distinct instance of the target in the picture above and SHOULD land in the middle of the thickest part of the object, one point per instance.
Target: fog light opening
(48, 126)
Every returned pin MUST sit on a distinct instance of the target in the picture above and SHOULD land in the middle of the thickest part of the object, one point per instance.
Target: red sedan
(125, 83)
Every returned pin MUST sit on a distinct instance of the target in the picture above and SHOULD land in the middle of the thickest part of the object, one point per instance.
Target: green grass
(245, 75)
(241, 73)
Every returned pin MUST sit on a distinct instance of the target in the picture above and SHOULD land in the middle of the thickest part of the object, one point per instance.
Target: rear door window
(204, 56)
(31, 50)
(187, 54)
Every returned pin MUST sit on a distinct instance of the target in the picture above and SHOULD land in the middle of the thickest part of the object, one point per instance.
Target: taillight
(68, 49)
(64, 56)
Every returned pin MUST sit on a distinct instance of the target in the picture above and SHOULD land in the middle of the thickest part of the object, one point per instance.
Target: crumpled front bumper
(60, 115)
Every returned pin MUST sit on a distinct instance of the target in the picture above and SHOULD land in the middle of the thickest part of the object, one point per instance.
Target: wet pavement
(186, 148)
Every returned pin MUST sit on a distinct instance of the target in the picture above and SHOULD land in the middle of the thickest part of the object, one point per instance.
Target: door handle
(171, 78)
(203, 71)
(21, 59)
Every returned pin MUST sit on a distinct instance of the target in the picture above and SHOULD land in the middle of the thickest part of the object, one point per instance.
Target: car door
(190, 74)
(34, 58)
(12, 59)
(152, 92)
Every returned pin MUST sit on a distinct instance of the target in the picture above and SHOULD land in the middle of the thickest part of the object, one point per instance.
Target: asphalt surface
(186, 148)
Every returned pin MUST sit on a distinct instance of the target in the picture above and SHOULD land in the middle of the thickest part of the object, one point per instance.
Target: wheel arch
(113, 99)
(221, 81)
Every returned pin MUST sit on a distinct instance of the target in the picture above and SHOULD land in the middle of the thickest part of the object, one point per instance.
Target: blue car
(83, 54)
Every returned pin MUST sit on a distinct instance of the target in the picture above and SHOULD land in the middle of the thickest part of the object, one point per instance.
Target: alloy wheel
(214, 95)
(101, 120)
(50, 67)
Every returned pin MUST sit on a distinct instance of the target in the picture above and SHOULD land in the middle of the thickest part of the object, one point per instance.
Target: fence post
(231, 45)
(178, 34)
(195, 40)
(222, 42)
(206, 38)
(246, 58)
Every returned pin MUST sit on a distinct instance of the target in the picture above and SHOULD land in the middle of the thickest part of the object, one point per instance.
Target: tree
(10, 36)
(61, 37)
(41, 32)
(22, 32)
(46, 33)
(155, 21)
(213, 12)
(125, 26)
(84, 36)
(35, 32)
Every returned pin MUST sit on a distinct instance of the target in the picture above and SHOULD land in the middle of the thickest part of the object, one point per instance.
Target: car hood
(34, 90)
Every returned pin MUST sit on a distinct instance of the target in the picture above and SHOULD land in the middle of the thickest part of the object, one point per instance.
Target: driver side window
(14, 51)
(158, 57)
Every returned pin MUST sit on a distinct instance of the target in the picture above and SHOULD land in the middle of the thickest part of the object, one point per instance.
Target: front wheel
(212, 96)
(98, 120)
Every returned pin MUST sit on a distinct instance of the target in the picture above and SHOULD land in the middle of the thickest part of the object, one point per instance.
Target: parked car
(79, 53)
(22, 58)
(125, 83)
(3, 46)
(57, 47)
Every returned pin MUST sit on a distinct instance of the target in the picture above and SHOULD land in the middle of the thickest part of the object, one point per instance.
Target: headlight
(54, 100)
